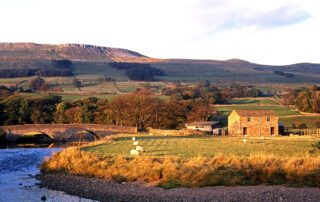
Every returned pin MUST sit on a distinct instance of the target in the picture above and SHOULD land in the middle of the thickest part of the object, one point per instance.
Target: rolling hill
(93, 61)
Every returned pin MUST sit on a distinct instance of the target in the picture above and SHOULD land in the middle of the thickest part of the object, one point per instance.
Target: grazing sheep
(135, 143)
(133, 138)
(244, 140)
(134, 152)
(150, 133)
(139, 149)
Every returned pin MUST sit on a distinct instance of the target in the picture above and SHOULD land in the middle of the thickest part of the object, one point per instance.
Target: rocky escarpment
(12, 52)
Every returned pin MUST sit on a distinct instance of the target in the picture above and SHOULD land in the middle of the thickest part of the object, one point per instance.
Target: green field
(209, 146)
(253, 101)
(69, 97)
(310, 121)
(72, 97)
(192, 71)
(279, 110)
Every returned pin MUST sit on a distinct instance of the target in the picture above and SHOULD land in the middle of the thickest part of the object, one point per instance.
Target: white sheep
(135, 143)
(134, 152)
(244, 140)
(133, 138)
(139, 149)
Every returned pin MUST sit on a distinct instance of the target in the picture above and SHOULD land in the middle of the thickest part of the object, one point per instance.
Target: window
(244, 131)
(249, 119)
(268, 119)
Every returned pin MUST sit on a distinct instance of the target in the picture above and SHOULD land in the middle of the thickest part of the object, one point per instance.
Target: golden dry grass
(189, 172)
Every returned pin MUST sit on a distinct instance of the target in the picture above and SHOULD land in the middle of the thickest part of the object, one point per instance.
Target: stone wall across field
(61, 132)
(181, 132)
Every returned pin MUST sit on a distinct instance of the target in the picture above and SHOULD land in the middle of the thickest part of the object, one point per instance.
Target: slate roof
(255, 113)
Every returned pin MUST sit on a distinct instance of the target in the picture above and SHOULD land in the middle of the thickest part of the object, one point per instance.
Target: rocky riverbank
(104, 190)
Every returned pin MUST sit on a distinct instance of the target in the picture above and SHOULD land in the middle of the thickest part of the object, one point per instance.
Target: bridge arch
(35, 137)
(83, 136)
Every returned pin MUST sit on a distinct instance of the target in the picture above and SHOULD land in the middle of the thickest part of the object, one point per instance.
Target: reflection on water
(48, 145)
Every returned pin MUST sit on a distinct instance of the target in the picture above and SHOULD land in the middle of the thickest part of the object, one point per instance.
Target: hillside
(15, 52)
(94, 61)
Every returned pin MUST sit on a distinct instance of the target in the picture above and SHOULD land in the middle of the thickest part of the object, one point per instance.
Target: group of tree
(210, 93)
(16, 109)
(239, 91)
(306, 99)
(57, 68)
(13, 73)
(285, 74)
(38, 84)
(138, 71)
(140, 109)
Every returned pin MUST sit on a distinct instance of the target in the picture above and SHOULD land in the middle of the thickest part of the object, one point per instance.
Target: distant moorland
(93, 62)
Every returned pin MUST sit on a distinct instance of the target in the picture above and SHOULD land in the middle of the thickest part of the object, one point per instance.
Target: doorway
(272, 131)
(244, 131)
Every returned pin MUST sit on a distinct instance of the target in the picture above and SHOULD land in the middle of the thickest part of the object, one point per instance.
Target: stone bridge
(61, 132)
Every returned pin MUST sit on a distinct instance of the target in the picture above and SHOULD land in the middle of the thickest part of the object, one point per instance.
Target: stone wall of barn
(259, 126)
(234, 124)
(256, 126)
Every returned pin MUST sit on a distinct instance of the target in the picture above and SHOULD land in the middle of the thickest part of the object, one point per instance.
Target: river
(18, 166)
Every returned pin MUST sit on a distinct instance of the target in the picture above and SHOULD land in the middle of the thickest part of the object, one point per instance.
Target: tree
(17, 110)
(118, 110)
(38, 84)
(309, 100)
(76, 82)
(201, 111)
(43, 109)
(65, 64)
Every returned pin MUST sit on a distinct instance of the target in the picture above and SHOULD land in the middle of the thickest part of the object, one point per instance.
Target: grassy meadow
(279, 110)
(251, 101)
(171, 162)
(209, 146)
(310, 121)
(70, 97)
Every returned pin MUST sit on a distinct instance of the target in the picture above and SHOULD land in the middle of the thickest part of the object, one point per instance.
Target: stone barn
(206, 126)
(253, 123)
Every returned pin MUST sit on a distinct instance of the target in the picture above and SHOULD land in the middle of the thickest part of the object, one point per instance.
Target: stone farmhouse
(253, 123)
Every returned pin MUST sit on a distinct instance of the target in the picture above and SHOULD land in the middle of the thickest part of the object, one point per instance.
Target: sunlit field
(279, 110)
(196, 161)
(209, 146)
(253, 101)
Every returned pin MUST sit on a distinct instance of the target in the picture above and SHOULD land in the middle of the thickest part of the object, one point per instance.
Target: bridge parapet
(61, 132)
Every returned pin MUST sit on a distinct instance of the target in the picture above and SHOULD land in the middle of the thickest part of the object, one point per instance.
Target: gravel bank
(103, 190)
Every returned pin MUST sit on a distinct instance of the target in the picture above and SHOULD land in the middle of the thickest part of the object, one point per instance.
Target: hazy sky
(262, 31)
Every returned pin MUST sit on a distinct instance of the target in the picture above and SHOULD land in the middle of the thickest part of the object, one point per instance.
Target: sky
(275, 32)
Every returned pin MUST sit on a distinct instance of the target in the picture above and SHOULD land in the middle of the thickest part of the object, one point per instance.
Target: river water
(18, 166)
